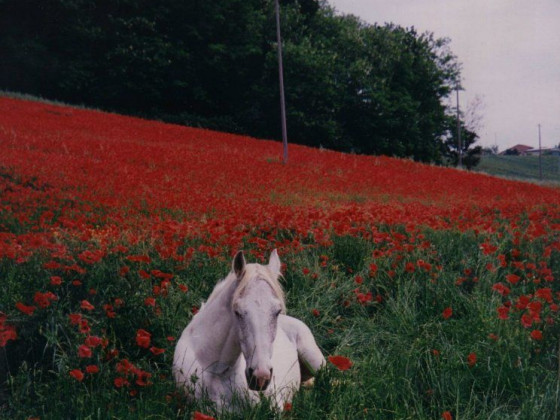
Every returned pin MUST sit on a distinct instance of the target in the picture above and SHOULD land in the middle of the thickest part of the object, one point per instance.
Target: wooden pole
(540, 153)
(281, 81)
(460, 148)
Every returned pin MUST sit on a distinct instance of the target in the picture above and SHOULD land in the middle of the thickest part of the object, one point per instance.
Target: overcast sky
(510, 55)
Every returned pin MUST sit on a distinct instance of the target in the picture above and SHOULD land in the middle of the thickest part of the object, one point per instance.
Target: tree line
(350, 86)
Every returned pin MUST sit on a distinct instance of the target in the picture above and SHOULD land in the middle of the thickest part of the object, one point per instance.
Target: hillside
(521, 167)
(440, 286)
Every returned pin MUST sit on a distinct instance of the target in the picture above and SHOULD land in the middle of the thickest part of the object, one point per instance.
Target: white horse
(241, 343)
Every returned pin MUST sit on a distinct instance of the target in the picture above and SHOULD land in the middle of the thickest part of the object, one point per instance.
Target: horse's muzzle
(255, 383)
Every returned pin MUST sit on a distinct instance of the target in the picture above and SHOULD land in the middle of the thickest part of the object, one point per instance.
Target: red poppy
(447, 313)
(446, 415)
(92, 369)
(119, 382)
(143, 338)
(92, 341)
(503, 312)
(341, 362)
(84, 351)
(142, 378)
(536, 335)
(77, 374)
(86, 305)
(27, 310)
(513, 278)
(44, 299)
(501, 289)
(156, 350)
(471, 359)
(199, 416)
(75, 318)
(56, 281)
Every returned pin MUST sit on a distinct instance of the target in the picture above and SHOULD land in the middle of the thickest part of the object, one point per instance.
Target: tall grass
(408, 360)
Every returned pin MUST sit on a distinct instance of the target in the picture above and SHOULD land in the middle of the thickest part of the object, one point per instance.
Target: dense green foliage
(408, 361)
(349, 86)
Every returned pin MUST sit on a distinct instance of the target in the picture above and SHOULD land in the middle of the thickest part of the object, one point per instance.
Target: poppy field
(432, 292)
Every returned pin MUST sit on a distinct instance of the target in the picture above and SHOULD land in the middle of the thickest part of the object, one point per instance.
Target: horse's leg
(309, 355)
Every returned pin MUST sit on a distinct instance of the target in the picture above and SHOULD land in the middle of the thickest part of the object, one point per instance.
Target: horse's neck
(214, 334)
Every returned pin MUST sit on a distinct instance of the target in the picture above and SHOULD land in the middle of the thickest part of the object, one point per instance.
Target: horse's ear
(238, 264)
(274, 263)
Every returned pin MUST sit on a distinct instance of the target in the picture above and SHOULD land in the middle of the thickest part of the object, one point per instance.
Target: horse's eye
(238, 314)
(276, 314)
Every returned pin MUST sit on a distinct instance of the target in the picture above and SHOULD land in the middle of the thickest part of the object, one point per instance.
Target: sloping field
(522, 167)
(439, 285)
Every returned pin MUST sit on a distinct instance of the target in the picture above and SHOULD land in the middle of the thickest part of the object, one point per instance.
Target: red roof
(521, 147)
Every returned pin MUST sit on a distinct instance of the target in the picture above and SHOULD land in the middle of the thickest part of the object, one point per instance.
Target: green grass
(397, 372)
(521, 167)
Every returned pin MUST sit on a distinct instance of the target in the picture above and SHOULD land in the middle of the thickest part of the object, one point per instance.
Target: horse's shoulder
(293, 327)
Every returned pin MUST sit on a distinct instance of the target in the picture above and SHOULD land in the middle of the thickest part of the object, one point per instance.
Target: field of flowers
(438, 289)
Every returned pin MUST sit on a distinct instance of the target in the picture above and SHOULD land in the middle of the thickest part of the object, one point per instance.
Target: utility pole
(460, 149)
(540, 153)
(281, 81)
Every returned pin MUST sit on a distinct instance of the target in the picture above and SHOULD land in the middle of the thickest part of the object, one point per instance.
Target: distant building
(554, 151)
(518, 150)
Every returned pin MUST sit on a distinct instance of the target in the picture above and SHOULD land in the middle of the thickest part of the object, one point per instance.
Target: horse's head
(256, 305)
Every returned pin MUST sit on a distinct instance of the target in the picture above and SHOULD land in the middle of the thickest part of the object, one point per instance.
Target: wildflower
(119, 382)
(447, 313)
(341, 362)
(501, 289)
(199, 416)
(77, 374)
(86, 305)
(143, 378)
(150, 301)
(84, 351)
(503, 312)
(91, 369)
(27, 310)
(526, 320)
(183, 288)
(536, 335)
(44, 299)
(471, 359)
(56, 281)
(143, 338)
(156, 350)
(315, 312)
(446, 415)
(92, 341)
(513, 278)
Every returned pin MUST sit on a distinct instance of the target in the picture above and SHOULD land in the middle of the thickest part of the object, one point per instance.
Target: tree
(350, 86)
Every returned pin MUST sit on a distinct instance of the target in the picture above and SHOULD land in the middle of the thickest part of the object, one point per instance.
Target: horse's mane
(252, 272)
